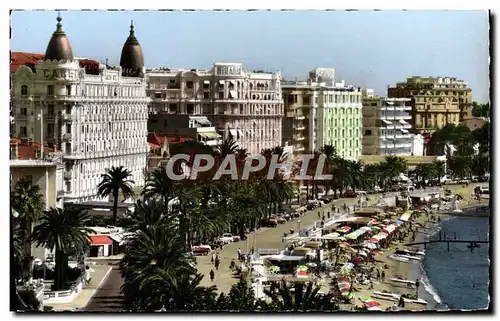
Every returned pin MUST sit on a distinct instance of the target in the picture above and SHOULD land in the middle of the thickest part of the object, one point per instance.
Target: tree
(304, 298)
(114, 181)
(27, 201)
(64, 231)
(241, 297)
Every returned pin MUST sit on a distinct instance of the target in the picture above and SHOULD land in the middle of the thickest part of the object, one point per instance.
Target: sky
(369, 49)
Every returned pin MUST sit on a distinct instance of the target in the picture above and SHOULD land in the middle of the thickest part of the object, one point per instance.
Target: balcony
(66, 137)
(68, 117)
(299, 117)
(299, 127)
(67, 175)
(298, 137)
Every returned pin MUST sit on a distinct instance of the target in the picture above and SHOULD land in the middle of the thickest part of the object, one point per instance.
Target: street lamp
(40, 118)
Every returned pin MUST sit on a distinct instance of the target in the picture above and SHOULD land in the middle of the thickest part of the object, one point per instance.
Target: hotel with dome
(94, 114)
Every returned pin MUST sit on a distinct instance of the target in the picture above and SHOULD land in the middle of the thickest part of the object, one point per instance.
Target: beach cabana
(368, 211)
(359, 232)
(332, 237)
(301, 274)
(370, 304)
(370, 245)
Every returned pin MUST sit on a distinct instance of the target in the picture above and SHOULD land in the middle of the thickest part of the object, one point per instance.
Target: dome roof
(132, 59)
(59, 47)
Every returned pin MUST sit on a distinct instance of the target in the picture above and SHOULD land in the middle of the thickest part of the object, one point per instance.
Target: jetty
(472, 244)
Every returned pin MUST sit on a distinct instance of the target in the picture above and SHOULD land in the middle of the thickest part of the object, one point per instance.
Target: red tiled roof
(154, 146)
(27, 151)
(174, 139)
(100, 240)
(31, 59)
(24, 58)
(154, 138)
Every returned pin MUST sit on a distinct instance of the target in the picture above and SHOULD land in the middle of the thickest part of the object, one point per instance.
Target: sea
(457, 279)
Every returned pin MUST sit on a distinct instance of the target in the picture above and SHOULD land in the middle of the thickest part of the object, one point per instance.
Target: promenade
(268, 238)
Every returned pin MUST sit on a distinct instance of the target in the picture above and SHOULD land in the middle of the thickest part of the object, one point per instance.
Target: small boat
(395, 297)
(409, 257)
(399, 258)
(408, 252)
(400, 279)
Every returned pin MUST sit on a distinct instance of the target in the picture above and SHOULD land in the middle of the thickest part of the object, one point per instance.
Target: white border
(189, 4)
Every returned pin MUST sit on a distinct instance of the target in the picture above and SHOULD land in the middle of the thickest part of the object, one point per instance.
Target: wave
(428, 286)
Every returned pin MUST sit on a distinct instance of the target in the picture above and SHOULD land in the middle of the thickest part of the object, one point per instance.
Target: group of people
(216, 262)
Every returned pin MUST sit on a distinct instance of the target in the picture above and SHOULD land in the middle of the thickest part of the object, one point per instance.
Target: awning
(221, 82)
(401, 121)
(331, 236)
(240, 132)
(344, 229)
(359, 232)
(406, 216)
(378, 237)
(232, 94)
(154, 146)
(212, 135)
(100, 240)
(233, 133)
(116, 237)
(389, 228)
(404, 130)
(206, 82)
(386, 122)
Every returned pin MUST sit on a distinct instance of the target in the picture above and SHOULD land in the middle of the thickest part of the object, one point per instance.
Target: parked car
(280, 220)
(201, 249)
(350, 194)
(227, 238)
(269, 222)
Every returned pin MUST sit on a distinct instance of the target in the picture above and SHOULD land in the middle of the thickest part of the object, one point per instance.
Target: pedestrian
(378, 274)
(232, 265)
(383, 275)
(401, 302)
(213, 257)
(212, 275)
(217, 262)
(319, 215)
(328, 214)
(323, 218)
(239, 253)
(252, 251)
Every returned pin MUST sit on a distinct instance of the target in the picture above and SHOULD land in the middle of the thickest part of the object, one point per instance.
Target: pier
(472, 244)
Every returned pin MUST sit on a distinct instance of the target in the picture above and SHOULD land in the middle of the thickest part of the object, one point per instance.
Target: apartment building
(387, 127)
(96, 115)
(244, 105)
(435, 101)
(199, 128)
(321, 111)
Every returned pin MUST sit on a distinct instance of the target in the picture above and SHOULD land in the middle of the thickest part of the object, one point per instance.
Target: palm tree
(64, 231)
(27, 201)
(159, 184)
(226, 147)
(304, 298)
(439, 169)
(114, 181)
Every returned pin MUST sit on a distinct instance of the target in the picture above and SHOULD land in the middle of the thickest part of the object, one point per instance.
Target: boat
(409, 252)
(399, 258)
(400, 279)
(409, 257)
(395, 297)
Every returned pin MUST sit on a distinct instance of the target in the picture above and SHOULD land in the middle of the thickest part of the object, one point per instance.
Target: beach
(414, 270)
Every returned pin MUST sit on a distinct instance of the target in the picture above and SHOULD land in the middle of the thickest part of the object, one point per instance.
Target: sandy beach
(410, 270)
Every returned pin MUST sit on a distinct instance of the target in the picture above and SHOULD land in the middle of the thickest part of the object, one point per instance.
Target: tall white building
(395, 136)
(241, 104)
(97, 118)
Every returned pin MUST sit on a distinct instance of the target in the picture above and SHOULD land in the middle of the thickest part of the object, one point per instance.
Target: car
(269, 222)
(350, 194)
(227, 238)
(201, 249)
(281, 220)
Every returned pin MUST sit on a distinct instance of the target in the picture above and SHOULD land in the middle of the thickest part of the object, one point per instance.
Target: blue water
(458, 279)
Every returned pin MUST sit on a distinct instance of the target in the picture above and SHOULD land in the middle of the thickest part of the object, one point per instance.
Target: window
(172, 108)
(50, 90)
(50, 129)
(189, 85)
(306, 100)
(23, 131)
(24, 111)
(206, 85)
(68, 90)
(368, 132)
(206, 95)
(157, 95)
(50, 110)
(24, 90)
(221, 95)
(190, 108)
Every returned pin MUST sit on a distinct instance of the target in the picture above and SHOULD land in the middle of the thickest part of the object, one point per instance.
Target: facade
(199, 128)
(387, 127)
(243, 105)
(97, 117)
(321, 111)
(435, 101)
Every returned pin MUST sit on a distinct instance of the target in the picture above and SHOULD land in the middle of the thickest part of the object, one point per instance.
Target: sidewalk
(99, 276)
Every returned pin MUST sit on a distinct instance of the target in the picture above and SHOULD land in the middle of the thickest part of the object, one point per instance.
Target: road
(108, 297)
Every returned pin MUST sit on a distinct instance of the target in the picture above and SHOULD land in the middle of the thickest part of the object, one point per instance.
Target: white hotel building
(96, 119)
(241, 104)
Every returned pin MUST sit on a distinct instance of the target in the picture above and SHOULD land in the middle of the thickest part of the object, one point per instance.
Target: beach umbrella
(358, 260)
(343, 229)
(371, 246)
(312, 265)
(301, 274)
(376, 252)
(301, 268)
(341, 279)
